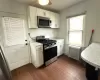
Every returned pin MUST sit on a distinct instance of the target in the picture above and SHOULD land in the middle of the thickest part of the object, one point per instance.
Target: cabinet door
(41, 12)
(61, 49)
(33, 53)
(39, 56)
(32, 17)
(47, 14)
(52, 17)
(57, 20)
(58, 50)
(60, 45)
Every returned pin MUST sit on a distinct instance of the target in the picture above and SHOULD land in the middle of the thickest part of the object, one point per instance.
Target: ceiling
(57, 5)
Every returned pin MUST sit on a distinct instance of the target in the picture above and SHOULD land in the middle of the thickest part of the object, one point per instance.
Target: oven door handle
(50, 47)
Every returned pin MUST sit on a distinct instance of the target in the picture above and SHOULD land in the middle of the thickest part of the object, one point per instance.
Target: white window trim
(83, 32)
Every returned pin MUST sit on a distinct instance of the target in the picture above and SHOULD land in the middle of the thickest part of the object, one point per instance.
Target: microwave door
(43, 22)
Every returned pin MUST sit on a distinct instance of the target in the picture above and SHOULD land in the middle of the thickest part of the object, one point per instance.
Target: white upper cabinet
(55, 20)
(43, 13)
(32, 17)
(52, 18)
(48, 14)
(33, 12)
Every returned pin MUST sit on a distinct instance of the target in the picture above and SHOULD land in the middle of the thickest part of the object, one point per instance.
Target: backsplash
(48, 33)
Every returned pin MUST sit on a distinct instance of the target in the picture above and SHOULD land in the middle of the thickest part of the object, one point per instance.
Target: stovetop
(44, 41)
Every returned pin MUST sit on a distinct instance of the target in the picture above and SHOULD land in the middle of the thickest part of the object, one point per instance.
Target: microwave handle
(50, 21)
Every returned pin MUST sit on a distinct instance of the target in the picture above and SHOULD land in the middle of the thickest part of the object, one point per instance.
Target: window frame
(68, 29)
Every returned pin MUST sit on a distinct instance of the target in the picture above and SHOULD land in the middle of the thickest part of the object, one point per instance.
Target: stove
(45, 41)
(49, 49)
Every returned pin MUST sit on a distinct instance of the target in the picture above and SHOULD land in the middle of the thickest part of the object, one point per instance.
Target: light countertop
(91, 55)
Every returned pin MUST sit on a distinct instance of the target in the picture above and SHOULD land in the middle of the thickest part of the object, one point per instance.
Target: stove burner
(45, 41)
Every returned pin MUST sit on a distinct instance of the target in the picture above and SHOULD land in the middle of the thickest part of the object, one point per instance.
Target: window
(14, 31)
(75, 30)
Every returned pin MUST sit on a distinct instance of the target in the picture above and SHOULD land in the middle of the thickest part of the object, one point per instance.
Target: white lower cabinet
(37, 54)
(60, 46)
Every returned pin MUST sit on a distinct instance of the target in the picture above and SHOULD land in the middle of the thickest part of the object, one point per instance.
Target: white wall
(92, 20)
(49, 33)
(10, 8)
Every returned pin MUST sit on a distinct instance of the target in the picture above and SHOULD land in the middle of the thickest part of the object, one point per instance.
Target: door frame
(14, 15)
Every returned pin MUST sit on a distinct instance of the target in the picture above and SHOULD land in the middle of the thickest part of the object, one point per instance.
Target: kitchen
(30, 32)
(19, 43)
(20, 46)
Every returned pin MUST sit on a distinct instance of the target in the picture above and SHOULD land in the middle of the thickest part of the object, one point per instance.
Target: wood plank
(63, 69)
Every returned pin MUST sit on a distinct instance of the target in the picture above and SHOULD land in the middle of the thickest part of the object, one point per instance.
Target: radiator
(74, 52)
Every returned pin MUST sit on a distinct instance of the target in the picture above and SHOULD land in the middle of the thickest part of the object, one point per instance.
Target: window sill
(74, 46)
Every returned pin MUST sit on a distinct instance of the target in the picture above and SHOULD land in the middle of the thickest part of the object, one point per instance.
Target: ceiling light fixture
(43, 2)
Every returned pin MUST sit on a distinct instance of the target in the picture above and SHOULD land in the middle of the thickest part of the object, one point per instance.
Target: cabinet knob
(26, 44)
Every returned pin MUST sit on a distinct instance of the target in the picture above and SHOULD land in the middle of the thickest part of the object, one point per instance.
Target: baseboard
(61, 55)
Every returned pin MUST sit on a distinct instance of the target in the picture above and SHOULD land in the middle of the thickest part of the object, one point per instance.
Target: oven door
(43, 22)
(50, 53)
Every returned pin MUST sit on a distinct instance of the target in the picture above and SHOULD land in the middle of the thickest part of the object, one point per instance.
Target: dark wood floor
(63, 69)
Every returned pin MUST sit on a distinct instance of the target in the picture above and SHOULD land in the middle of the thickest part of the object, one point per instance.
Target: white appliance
(43, 22)
(49, 49)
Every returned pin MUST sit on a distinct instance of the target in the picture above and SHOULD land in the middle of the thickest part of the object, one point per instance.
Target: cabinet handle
(44, 14)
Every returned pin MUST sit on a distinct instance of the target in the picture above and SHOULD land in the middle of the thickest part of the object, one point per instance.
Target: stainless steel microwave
(43, 22)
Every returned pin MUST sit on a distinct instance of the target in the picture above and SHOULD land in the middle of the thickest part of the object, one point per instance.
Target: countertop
(92, 55)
